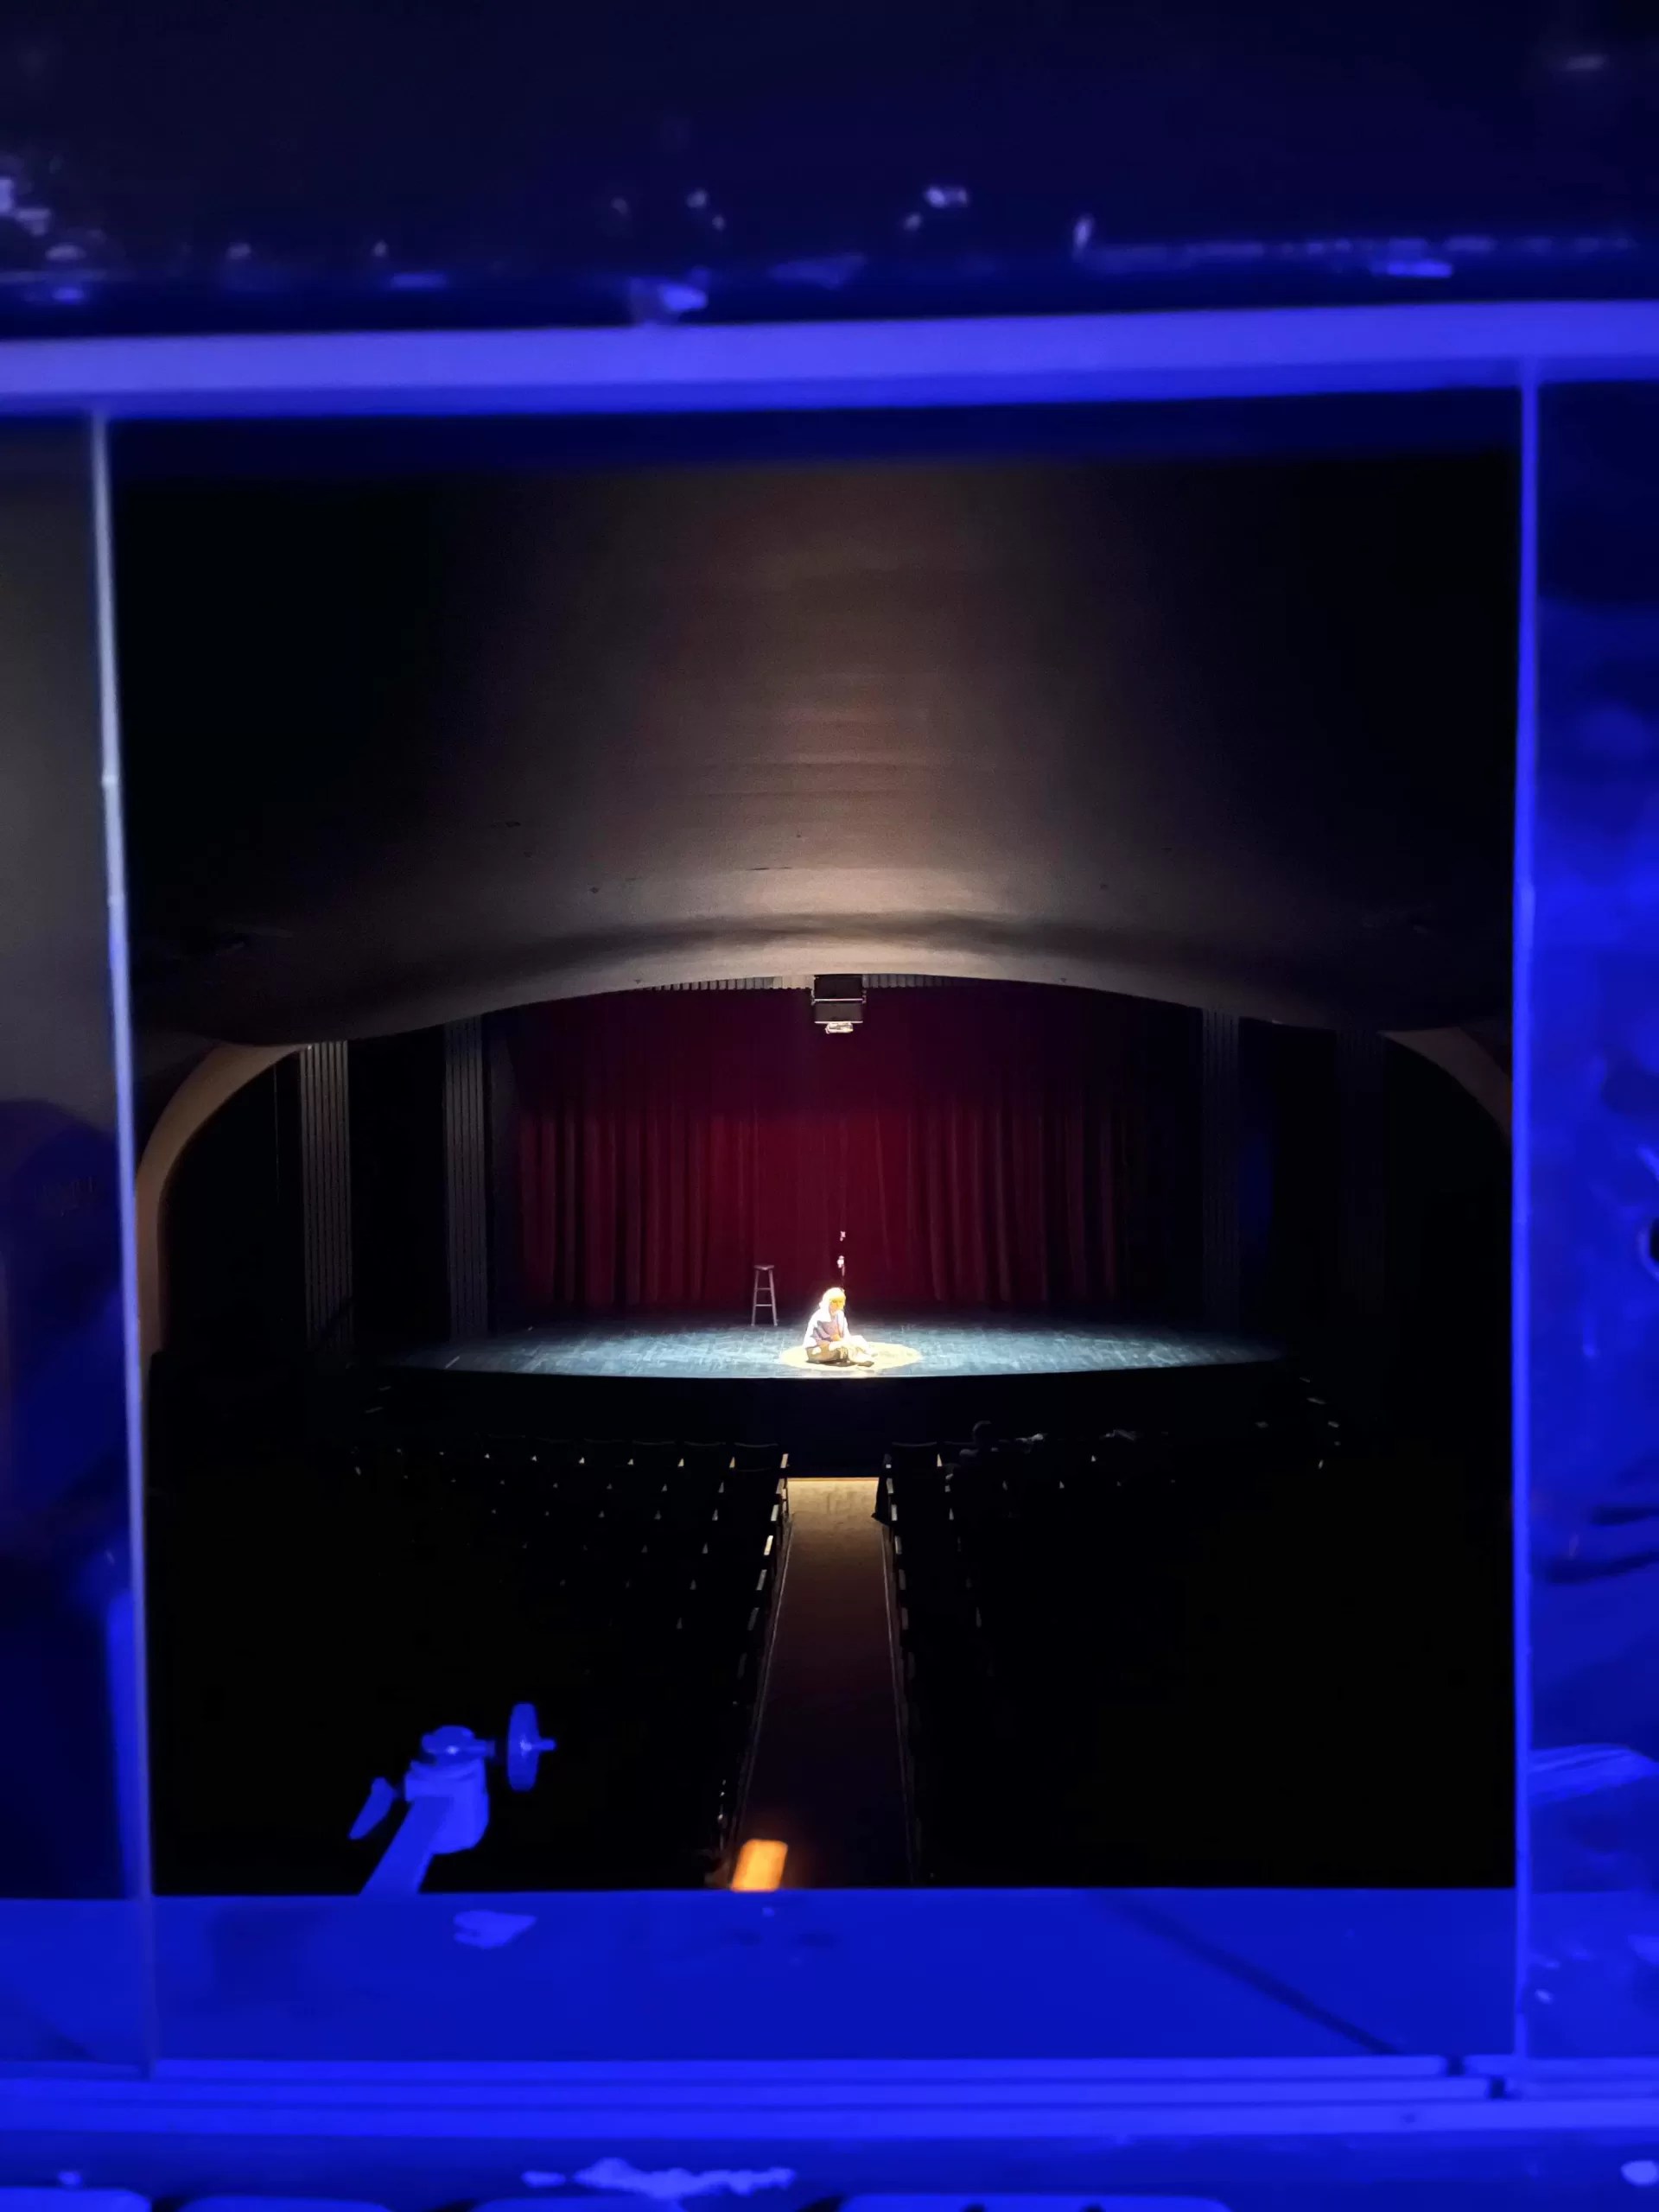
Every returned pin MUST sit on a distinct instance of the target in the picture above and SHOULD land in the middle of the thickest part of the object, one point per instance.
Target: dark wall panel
(1299, 1277)
(1445, 1253)
(232, 1229)
(397, 1191)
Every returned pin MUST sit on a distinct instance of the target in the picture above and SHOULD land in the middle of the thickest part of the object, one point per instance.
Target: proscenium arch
(1471, 1064)
(227, 1069)
(215, 1078)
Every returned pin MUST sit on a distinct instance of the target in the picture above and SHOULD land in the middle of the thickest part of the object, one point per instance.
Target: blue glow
(1591, 1063)
(1248, 353)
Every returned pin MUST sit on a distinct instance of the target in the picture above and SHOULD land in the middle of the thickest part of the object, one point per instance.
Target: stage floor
(664, 1349)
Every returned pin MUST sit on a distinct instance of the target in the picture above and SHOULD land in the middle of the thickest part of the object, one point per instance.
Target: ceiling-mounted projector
(838, 1003)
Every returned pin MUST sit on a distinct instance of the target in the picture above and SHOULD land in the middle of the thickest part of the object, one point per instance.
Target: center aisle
(828, 1780)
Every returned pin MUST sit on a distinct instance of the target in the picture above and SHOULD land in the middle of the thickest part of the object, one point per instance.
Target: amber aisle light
(760, 1866)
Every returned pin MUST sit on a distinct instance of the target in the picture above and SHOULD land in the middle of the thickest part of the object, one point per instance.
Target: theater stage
(701, 1351)
(696, 1377)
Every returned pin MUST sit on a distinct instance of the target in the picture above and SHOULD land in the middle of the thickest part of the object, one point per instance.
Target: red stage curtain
(976, 1144)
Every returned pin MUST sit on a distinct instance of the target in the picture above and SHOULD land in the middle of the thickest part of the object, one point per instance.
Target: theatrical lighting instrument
(838, 1003)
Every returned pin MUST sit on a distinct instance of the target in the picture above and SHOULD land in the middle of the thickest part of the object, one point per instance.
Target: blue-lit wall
(1589, 1040)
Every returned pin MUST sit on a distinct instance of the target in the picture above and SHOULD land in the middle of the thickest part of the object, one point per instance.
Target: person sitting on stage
(828, 1341)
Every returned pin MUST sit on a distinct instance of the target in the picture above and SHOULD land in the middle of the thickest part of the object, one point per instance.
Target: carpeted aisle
(827, 1777)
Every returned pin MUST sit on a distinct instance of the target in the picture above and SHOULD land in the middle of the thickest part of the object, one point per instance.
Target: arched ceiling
(408, 743)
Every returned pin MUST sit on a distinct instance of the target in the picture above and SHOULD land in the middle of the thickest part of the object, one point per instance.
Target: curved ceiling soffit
(1052, 724)
(263, 1005)
(1468, 1059)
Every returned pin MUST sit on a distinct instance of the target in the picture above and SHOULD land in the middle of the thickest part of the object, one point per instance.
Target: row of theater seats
(368, 1592)
(1306, 1417)
(600, 1456)
(1076, 1622)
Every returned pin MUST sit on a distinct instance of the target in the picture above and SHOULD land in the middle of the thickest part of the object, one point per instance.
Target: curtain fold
(974, 1147)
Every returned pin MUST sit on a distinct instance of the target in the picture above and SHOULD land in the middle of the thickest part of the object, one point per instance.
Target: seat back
(654, 1459)
(910, 1458)
(705, 1459)
(760, 1458)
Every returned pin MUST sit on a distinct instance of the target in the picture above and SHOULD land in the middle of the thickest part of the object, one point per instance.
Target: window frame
(1123, 359)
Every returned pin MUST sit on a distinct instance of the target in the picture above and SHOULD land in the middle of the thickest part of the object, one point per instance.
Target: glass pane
(72, 1858)
(1592, 1341)
(1176, 1736)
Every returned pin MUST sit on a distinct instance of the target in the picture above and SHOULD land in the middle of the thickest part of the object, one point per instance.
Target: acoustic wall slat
(1362, 1067)
(466, 1198)
(1220, 1169)
(326, 1188)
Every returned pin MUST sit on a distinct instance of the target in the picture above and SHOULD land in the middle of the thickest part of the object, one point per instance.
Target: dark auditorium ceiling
(426, 722)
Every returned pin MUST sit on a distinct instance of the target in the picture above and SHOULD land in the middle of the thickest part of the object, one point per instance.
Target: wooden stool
(766, 1295)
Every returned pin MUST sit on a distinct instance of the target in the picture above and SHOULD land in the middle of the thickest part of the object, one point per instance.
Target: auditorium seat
(911, 1459)
(923, 1504)
(654, 1459)
(608, 1454)
(1126, 1607)
(705, 1459)
(750, 1526)
(688, 1501)
(760, 1458)
(553, 1455)
(1057, 1456)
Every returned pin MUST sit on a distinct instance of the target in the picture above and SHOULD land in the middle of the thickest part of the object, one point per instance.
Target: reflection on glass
(71, 1861)
(1158, 1546)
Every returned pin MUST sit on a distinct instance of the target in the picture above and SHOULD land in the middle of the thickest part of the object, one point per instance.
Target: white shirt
(827, 1326)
